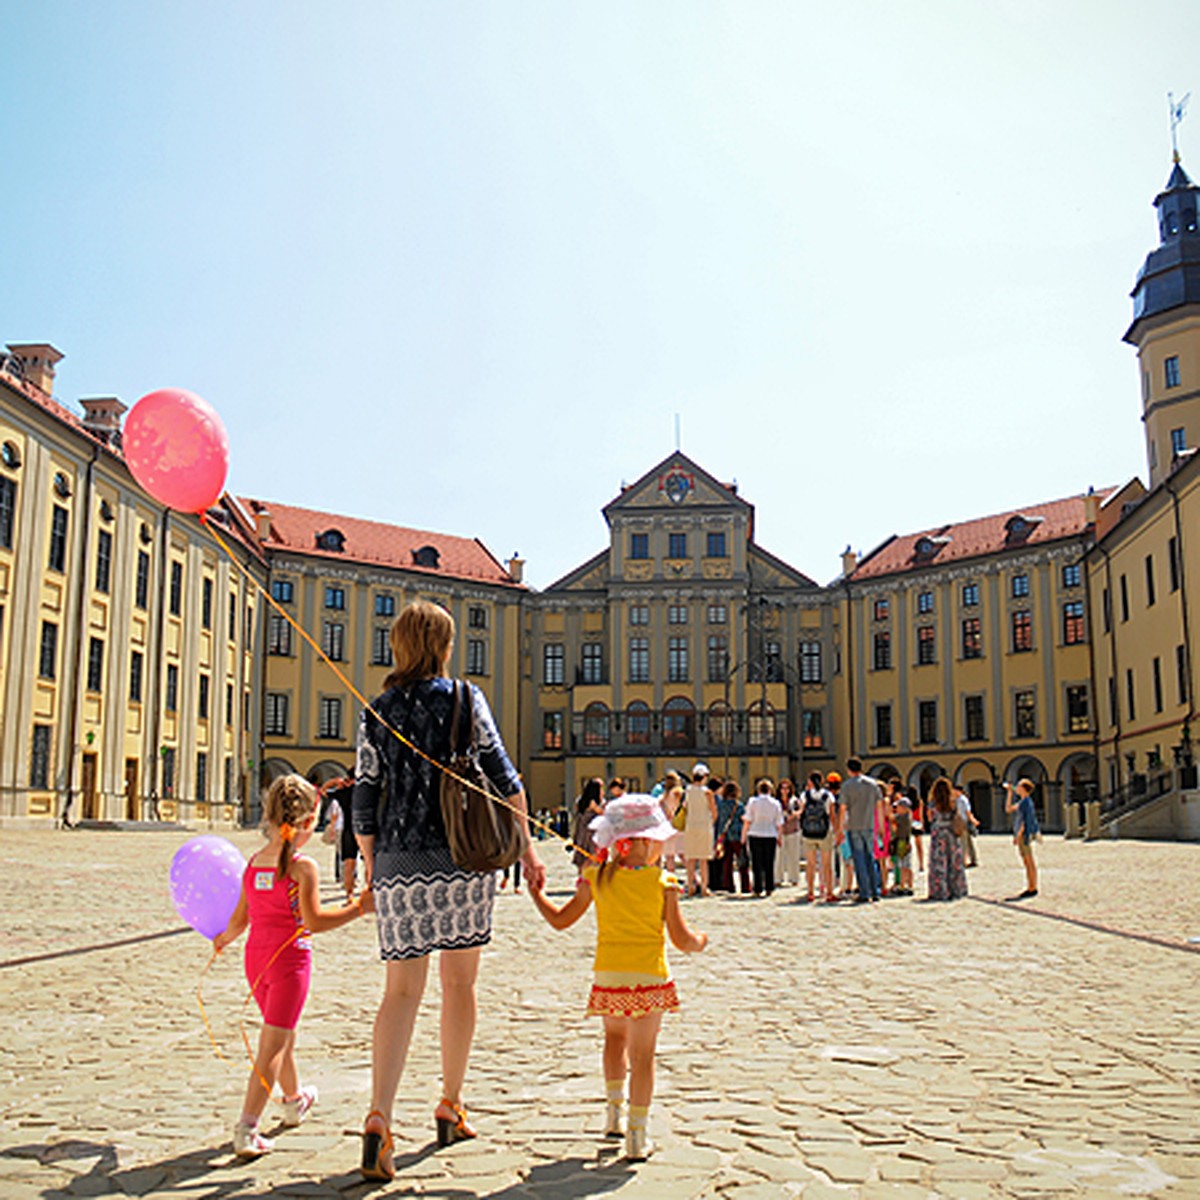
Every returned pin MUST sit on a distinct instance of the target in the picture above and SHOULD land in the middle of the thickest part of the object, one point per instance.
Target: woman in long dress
(699, 832)
(947, 876)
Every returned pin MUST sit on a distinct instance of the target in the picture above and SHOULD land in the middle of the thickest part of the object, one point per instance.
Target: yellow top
(630, 931)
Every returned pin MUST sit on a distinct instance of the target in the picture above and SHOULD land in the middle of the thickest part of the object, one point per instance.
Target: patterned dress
(423, 901)
(947, 876)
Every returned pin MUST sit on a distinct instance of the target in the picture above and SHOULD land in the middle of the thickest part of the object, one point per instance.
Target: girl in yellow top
(637, 904)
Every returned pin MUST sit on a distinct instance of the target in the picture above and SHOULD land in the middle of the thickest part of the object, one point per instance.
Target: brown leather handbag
(484, 833)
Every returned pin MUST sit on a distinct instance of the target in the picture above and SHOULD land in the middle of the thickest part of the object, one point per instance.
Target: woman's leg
(404, 984)
(810, 865)
(459, 970)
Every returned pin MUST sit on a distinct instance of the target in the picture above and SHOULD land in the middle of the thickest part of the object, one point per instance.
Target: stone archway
(883, 771)
(1047, 798)
(977, 777)
(326, 770)
(922, 776)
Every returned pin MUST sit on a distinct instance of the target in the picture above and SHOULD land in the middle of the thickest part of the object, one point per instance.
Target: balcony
(738, 732)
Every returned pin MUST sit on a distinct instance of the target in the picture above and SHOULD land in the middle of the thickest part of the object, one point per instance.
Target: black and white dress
(423, 902)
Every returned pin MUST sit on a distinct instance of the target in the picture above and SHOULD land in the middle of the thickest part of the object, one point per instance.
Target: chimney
(849, 561)
(262, 524)
(516, 568)
(102, 416)
(38, 360)
(1091, 506)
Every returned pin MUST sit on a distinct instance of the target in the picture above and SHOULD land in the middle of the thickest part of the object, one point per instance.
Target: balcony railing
(740, 732)
(1144, 789)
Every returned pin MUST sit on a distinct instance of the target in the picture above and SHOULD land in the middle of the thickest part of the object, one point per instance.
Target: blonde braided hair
(290, 799)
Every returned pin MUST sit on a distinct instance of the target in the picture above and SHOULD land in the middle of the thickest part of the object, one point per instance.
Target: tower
(1166, 328)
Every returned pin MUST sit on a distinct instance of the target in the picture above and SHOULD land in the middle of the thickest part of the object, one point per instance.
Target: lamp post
(727, 731)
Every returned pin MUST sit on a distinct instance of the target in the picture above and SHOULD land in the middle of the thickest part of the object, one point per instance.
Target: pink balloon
(177, 449)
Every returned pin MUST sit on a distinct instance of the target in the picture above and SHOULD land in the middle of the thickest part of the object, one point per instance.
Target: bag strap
(462, 720)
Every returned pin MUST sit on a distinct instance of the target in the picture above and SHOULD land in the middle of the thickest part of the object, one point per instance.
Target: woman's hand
(535, 870)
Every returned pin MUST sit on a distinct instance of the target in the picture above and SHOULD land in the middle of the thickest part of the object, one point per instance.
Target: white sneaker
(613, 1127)
(294, 1111)
(248, 1142)
(638, 1146)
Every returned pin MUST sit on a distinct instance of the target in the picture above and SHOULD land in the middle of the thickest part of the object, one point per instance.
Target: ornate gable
(676, 484)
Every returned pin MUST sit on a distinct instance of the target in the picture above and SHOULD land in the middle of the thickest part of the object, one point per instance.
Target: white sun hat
(636, 816)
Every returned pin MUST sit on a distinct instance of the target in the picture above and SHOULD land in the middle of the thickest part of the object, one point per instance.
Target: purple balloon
(206, 881)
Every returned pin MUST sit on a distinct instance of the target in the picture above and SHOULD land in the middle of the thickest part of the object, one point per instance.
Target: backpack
(814, 820)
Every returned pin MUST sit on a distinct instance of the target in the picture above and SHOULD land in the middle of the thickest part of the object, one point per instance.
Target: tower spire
(1178, 110)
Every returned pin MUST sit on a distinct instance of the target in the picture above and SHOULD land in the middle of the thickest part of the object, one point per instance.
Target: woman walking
(699, 831)
(424, 902)
(761, 832)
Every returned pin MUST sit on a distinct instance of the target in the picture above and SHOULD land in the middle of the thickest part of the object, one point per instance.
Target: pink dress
(279, 948)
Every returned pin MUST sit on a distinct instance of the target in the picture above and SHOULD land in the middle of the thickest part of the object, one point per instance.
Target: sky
(460, 266)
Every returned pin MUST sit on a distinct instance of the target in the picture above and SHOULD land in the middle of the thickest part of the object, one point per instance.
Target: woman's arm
(237, 923)
(316, 918)
(364, 803)
(564, 916)
(682, 938)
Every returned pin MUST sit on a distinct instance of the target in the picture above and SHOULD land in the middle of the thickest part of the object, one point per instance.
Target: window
(552, 731)
(718, 614)
(1022, 630)
(334, 539)
(1181, 675)
(477, 617)
(760, 724)
(677, 614)
(1071, 575)
(381, 649)
(8, 511)
(926, 645)
(970, 595)
(1024, 714)
(275, 717)
(1171, 371)
(881, 610)
(679, 723)
(175, 597)
(1078, 717)
(720, 723)
(972, 638)
(553, 664)
(718, 657)
(329, 721)
(48, 656)
(1112, 700)
(1173, 563)
(228, 790)
(1150, 593)
(58, 538)
(476, 656)
(924, 602)
(974, 728)
(333, 640)
(811, 734)
(639, 614)
(335, 597)
(229, 705)
(246, 710)
(202, 698)
(136, 663)
(1156, 674)
(233, 621)
(883, 652)
(715, 545)
(168, 770)
(1106, 609)
(1073, 634)
(596, 724)
(883, 725)
(171, 699)
(639, 660)
(639, 545)
(279, 634)
(1124, 599)
(810, 662)
(637, 724)
(677, 660)
(773, 662)
(927, 721)
(1130, 696)
(1020, 586)
(141, 586)
(385, 604)
(206, 603)
(677, 545)
(95, 665)
(39, 758)
(1178, 442)
(202, 776)
(283, 590)
(104, 548)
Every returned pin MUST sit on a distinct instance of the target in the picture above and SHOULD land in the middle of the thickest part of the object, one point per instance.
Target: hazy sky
(458, 265)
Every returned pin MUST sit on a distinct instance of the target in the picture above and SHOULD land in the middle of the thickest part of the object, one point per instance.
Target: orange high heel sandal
(452, 1129)
(377, 1159)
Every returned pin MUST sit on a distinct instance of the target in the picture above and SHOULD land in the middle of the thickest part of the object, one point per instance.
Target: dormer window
(426, 556)
(1018, 527)
(331, 539)
(925, 546)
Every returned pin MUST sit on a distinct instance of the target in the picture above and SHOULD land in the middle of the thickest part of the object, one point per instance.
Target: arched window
(720, 723)
(596, 720)
(762, 723)
(637, 724)
(331, 539)
(679, 722)
(426, 556)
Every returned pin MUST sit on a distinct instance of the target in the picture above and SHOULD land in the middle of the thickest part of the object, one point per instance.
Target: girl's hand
(220, 942)
(366, 901)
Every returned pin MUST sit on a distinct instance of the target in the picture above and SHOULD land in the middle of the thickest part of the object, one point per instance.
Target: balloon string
(367, 706)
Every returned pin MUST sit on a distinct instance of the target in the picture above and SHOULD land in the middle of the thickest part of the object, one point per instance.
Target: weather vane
(1177, 110)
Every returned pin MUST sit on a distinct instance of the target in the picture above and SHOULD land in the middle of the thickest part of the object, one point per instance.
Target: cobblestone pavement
(895, 1050)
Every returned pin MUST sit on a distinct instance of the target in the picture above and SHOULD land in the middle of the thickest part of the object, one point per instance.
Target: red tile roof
(297, 529)
(1046, 523)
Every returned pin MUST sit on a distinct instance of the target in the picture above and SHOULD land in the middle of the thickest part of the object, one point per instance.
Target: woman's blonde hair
(940, 795)
(420, 638)
(290, 799)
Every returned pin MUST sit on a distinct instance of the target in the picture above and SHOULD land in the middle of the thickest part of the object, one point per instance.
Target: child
(280, 904)
(1025, 829)
(635, 900)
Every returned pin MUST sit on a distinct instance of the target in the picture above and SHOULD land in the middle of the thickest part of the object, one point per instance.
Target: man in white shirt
(962, 805)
